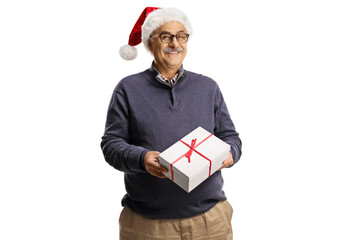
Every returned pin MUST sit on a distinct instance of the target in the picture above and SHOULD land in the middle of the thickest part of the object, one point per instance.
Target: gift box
(194, 158)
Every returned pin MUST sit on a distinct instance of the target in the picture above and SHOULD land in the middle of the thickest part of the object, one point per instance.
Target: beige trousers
(214, 224)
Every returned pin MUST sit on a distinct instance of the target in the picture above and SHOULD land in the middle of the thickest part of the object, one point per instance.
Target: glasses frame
(174, 35)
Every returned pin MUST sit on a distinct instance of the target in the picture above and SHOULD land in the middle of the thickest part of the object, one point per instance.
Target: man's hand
(227, 162)
(152, 164)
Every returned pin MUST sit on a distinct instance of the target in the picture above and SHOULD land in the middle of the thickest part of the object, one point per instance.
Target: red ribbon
(189, 153)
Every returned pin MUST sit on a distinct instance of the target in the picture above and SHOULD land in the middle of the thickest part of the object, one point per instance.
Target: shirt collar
(169, 82)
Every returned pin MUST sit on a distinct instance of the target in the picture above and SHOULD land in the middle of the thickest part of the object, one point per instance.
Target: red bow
(188, 154)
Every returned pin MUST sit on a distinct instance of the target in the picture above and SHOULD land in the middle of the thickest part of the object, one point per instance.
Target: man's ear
(150, 45)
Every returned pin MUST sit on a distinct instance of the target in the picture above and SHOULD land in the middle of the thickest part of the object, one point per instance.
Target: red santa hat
(151, 19)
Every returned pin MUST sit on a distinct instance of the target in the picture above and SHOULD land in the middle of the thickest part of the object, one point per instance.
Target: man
(148, 112)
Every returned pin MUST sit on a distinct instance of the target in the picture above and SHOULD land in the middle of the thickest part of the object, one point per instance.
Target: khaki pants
(214, 224)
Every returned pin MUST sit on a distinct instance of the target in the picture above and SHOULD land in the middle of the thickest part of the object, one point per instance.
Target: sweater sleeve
(116, 142)
(224, 127)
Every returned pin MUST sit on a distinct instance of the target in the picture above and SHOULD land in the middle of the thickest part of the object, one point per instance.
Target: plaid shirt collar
(168, 82)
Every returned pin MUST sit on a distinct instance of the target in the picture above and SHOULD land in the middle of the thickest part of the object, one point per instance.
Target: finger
(226, 163)
(157, 174)
(230, 162)
(157, 167)
(162, 169)
(161, 175)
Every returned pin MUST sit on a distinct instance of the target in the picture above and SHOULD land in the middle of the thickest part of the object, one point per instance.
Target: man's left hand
(227, 162)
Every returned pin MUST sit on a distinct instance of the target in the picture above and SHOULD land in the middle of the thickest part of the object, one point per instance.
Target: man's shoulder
(131, 80)
(203, 79)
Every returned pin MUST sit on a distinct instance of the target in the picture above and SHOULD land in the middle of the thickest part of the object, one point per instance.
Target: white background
(288, 71)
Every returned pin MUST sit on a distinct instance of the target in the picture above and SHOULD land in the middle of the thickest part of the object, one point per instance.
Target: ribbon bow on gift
(189, 153)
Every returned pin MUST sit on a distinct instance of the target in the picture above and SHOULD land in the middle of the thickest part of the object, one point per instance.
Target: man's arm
(225, 130)
(115, 144)
(117, 150)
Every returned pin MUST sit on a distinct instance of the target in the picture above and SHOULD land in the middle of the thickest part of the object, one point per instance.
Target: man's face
(168, 54)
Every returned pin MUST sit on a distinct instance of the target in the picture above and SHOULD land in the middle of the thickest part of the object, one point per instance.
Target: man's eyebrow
(181, 31)
(165, 32)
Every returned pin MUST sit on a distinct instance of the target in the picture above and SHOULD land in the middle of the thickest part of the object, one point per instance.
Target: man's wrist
(142, 158)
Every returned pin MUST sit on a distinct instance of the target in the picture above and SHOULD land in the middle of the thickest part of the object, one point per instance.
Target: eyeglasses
(167, 37)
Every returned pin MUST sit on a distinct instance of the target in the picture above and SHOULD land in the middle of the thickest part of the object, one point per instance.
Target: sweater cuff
(234, 156)
(142, 158)
(134, 162)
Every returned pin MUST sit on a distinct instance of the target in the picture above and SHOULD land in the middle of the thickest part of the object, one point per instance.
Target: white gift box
(206, 153)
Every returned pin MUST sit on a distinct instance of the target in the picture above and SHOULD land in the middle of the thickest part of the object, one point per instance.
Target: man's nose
(174, 43)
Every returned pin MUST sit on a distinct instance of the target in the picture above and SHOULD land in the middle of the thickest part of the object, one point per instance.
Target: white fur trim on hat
(159, 17)
(128, 52)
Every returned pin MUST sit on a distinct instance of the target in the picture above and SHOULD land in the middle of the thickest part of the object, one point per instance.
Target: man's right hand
(152, 165)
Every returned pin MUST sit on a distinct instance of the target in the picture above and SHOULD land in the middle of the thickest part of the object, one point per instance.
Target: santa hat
(151, 19)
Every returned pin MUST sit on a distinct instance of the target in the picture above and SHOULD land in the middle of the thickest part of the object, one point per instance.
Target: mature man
(148, 112)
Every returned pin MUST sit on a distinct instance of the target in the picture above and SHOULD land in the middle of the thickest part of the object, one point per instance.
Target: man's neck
(169, 71)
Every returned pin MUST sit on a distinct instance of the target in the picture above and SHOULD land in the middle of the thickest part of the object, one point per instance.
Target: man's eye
(165, 37)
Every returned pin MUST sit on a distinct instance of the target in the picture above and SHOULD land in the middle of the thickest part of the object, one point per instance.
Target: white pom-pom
(128, 52)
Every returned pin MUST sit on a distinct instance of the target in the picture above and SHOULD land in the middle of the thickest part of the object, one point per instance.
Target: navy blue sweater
(145, 115)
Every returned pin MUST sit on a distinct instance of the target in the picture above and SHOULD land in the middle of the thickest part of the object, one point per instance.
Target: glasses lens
(181, 37)
(165, 37)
